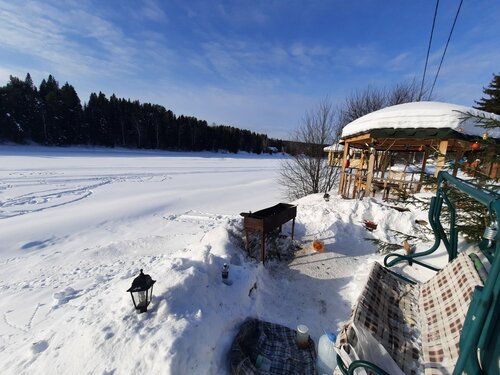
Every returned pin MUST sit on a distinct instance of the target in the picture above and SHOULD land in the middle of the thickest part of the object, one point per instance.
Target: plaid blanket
(257, 339)
(388, 309)
(443, 304)
(418, 325)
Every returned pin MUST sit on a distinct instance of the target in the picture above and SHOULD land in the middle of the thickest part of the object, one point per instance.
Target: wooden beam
(362, 137)
(369, 177)
(402, 144)
(443, 147)
(342, 172)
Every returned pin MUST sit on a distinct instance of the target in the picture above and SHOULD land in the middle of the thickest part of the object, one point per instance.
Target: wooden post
(383, 163)
(493, 170)
(358, 177)
(369, 177)
(342, 172)
(443, 146)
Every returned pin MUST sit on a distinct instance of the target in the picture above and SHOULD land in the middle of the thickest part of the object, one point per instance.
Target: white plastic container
(327, 356)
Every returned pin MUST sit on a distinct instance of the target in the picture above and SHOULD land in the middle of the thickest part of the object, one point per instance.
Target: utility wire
(446, 47)
(428, 50)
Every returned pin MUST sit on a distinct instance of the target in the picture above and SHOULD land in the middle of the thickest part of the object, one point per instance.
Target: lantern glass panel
(142, 299)
(142, 296)
(142, 291)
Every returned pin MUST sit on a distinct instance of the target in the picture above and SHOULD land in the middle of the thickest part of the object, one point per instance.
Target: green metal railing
(440, 236)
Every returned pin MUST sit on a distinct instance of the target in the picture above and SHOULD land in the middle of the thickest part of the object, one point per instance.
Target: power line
(428, 50)
(446, 47)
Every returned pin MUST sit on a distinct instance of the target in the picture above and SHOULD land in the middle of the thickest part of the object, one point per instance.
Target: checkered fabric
(418, 325)
(274, 342)
(388, 309)
(443, 304)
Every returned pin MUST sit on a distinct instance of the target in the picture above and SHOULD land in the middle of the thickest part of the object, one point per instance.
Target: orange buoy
(318, 246)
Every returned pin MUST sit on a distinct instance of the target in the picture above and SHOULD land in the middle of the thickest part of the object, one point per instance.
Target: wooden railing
(354, 183)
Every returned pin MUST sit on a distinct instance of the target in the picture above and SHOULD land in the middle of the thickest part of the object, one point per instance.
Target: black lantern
(142, 291)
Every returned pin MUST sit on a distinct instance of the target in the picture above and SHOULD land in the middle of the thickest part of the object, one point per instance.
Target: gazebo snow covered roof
(419, 120)
(424, 127)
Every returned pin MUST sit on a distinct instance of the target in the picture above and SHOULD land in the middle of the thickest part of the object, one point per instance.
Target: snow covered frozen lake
(77, 225)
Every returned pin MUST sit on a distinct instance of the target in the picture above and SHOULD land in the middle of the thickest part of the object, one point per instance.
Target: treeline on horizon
(54, 116)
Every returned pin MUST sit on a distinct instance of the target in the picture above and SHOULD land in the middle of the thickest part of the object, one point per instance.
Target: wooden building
(418, 133)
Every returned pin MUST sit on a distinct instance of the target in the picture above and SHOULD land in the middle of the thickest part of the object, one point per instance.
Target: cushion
(388, 310)
(443, 304)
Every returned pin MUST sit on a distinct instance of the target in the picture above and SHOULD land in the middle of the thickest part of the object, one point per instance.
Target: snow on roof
(336, 147)
(421, 115)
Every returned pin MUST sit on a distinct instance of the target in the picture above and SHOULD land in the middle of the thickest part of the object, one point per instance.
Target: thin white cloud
(74, 41)
(87, 44)
(247, 62)
(152, 10)
(43, 31)
(399, 62)
(464, 73)
(358, 56)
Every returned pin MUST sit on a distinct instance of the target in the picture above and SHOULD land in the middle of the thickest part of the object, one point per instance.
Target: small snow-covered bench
(447, 325)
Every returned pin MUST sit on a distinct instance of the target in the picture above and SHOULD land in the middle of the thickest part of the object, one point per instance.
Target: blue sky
(258, 65)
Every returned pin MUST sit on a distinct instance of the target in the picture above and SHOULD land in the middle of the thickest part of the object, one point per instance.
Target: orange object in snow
(370, 225)
(319, 246)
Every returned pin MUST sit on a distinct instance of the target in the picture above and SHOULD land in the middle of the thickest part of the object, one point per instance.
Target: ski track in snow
(63, 191)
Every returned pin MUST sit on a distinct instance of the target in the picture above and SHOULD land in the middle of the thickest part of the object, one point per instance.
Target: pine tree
(71, 116)
(97, 119)
(18, 110)
(492, 102)
(32, 109)
(53, 115)
(50, 107)
(473, 217)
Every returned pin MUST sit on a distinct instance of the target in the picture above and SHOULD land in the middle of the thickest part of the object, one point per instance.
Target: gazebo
(335, 153)
(415, 130)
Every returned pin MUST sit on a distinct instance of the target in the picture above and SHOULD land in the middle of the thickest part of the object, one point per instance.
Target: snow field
(77, 225)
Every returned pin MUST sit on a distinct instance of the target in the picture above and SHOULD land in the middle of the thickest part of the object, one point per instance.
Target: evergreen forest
(53, 115)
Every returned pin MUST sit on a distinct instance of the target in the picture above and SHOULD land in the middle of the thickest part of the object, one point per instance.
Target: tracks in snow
(57, 190)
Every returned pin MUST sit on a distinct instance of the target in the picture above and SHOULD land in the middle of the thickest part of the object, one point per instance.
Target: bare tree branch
(360, 103)
(308, 171)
